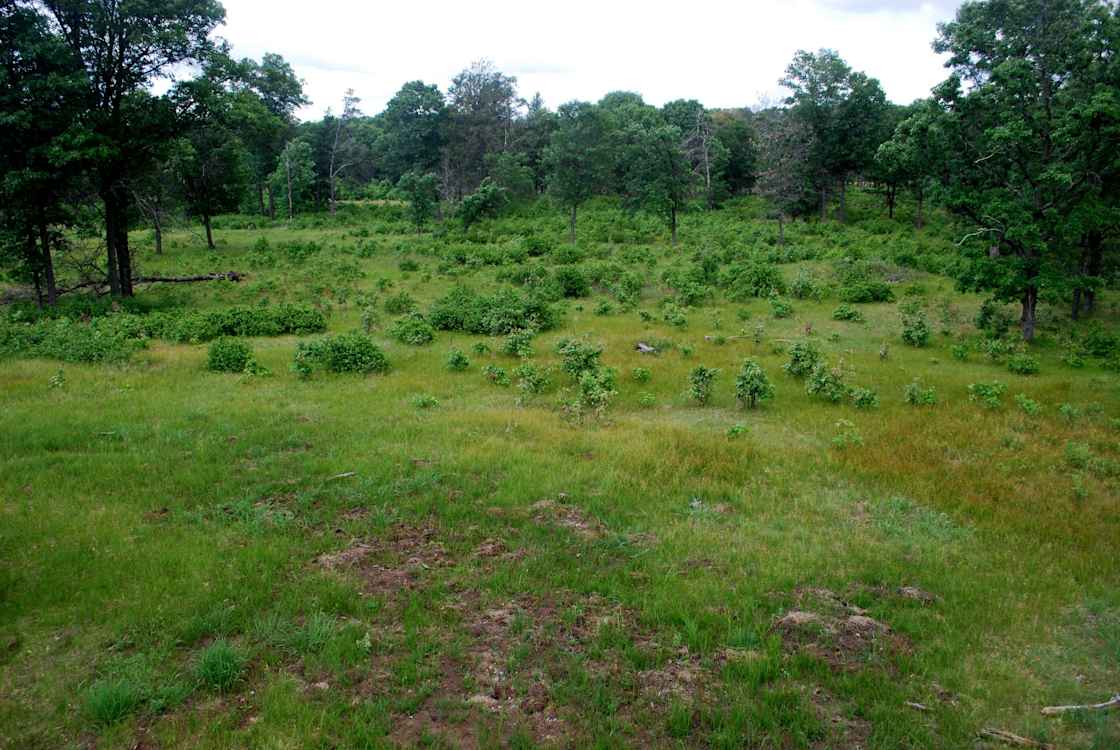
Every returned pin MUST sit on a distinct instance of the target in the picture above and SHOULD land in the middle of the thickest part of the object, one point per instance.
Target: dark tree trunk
(48, 262)
(271, 202)
(892, 198)
(919, 215)
(1093, 268)
(673, 225)
(116, 240)
(209, 231)
(824, 202)
(572, 226)
(781, 231)
(1075, 310)
(260, 198)
(1027, 319)
(844, 199)
(158, 229)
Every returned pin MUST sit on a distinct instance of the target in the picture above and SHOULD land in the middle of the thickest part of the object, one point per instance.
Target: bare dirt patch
(841, 633)
(390, 564)
(567, 516)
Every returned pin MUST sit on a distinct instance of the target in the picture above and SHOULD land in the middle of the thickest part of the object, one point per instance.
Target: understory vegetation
(494, 487)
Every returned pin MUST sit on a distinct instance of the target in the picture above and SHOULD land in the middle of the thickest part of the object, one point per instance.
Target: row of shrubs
(115, 337)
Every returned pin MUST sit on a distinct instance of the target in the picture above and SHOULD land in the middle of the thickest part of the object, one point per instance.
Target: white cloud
(726, 54)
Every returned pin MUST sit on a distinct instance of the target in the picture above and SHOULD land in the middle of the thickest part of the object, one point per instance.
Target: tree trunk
(209, 232)
(116, 240)
(673, 225)
(271, 202)
(844, 199)
(824, 202)
(1027, 319)
(1075, 310)
(892, 198)
(35, 275)
(48, 262)
(260, 197)
(572, 227)
(157, 223)
(288, 173)
(781, 231)
(919, 215)
(1093, 268)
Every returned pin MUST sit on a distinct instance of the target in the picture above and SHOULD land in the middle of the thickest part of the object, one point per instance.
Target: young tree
(423, 196)
(913, 156)
(294, 176)
(344, 149)
(1033, 128)
(413, 130)
(577, 159)
(122, 48)
(785, 146)
(483, 105)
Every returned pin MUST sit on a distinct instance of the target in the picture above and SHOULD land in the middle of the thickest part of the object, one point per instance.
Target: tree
(912, 157)
(423, 196)
(844, 109)
(659, 177)
(122, 47)
(739, 140)
(704, 151)
(344, 149)
(413, 130)
(785, 145)
(752, 385)
(40, 95)
(577, 158)
(1033, 130)
(294, 176)
(482, 106)
(268, 95)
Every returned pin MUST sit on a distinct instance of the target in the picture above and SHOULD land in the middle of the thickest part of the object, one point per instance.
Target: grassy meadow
(428, 558)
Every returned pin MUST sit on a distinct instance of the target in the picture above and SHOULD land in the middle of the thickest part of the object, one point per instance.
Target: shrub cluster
(346, 352)
(497, 314)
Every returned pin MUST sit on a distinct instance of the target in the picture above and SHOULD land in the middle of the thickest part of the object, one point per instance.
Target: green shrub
(1069, 412)
(863, 398)
(827, 383)
(496, 314)
(915, 329)
(780, 308)
(578, 356)
(866, 291)
(399, 304)
(993, 319)
(751, 384)
(457, 360)
(960, 352)
(573, 282)
(701, 381)
(806, 286)
(847, 312)
(647, 400)
(481, 348)
(496, 375)
(916, 395)
(228, 355)
(346, 352)
(672, 314)
(753, 278)
(220, 666)
(413, 329)
(425, 401)
(596, 391)
(988, 394)
(532, 379)
(1023, 364)
(640, 375)
(803, 357)
(1028, 405)
(519, 344)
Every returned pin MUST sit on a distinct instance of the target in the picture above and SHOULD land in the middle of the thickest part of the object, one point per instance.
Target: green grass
(201, 559)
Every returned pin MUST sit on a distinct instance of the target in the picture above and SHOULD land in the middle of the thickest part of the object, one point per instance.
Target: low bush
(803, 357)
(1023, 364)
(827, 383)
(413, 329)
(847, 312)
(228, 355)
(701, 381)
(917, 395)
(751, 385)
(988, 394)
(457, 360)
(346, 352)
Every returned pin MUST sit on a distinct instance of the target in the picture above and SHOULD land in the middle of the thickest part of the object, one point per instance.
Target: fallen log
(1113, 702)
(1013, 739)
(226, 276)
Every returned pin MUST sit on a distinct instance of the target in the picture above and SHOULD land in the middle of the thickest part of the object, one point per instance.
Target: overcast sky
(725, 53)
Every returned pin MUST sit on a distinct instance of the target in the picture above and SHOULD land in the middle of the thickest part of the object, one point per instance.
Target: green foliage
(752, 278)
(1029, 406)
(400, 304)
(863, 398)
(701, 381)
(827, 383)
(806, 286)
(640, 375)
(1069, 412)
(751, 384)
(425, 401)
(672, 314)
(573, 281)
(422, 193)
(780, 308)
(847, 312)
(1023, 364)
(413, 329)
(847, 436)
(457, 360)
(497, 314)
(988, 394)
(578, 356)
(228, 355)
(108, 701)
(915, 329)
(220, 666)
(917, 395)
(484, 203)
(346, 352)
(532, 379)
(496, 375)
(803, 357)
(597, 388)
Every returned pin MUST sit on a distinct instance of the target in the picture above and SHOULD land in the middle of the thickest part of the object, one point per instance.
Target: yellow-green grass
(151, 510)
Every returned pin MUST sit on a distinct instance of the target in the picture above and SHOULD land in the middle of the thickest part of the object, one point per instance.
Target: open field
(426, 557)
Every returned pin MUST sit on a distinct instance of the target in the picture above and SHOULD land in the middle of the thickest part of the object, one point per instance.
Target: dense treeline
(1021, 141)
